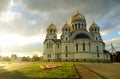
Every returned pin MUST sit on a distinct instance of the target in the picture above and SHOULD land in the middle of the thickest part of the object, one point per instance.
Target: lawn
(66, 70)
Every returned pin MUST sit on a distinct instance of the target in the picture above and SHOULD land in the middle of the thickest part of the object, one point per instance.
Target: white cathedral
(76, 42)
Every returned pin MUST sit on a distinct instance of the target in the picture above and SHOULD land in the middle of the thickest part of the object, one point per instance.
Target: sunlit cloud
(103, 33)
(11, 3)
(8, 40)
(119, 33)
(9, 16)
(115, 42)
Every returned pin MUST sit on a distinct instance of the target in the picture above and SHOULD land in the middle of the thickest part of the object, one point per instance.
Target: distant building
(76, 42)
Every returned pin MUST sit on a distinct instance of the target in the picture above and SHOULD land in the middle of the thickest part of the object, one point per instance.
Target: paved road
(111, 71)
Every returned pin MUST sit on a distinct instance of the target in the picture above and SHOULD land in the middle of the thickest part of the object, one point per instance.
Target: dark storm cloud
(112, 26)
(60, 11)
(84, 5)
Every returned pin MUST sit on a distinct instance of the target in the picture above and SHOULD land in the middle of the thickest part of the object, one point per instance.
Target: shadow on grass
(4, 74)
(35, 72)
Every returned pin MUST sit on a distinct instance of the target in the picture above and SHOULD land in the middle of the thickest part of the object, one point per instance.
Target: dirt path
(84, 73)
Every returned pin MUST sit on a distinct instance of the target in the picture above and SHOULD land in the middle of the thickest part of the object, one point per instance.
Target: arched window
(66, 39)
(96, 38)
(79, 25)
(50, 30)
(49, 44)
(75, 26)
(49, 56)
(66, 48)
(89, 46)
(82, 25)
(66, 29)
(97, 48)
(95, 30)
(76, 47)
(83, 46)
(58, 45)
(92, 30)
(97, 54)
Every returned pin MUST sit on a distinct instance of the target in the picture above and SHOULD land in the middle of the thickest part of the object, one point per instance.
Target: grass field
(33, 71)
(66, 70)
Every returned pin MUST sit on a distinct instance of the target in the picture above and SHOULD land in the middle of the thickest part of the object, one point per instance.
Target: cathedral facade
(76, 42)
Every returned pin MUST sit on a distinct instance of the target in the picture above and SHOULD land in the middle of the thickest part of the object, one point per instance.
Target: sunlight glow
(8, 40)
(11, 3)
(7, 16)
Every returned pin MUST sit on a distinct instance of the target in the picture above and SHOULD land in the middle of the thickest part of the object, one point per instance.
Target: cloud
(115, 42)
(24, 50)
(119, 33)
(29, 18)
(101, 10)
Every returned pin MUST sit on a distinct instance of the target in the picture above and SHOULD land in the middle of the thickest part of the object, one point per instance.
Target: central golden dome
(77, 16)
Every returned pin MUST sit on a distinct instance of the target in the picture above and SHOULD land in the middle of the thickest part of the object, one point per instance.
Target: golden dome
(77, 15)
(94, 25)
(65, 25)
(51, 26)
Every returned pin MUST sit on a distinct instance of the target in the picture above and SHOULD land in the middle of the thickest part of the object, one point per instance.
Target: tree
(35, 57)
(26, 58)
(6, 58)
(41, 58)
(14, 57)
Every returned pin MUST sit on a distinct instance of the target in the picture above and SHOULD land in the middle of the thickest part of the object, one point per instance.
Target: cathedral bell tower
(95, 31)
(65, 32)
(51, 32)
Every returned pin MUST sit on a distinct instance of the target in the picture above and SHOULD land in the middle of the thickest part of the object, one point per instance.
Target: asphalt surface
(109, 70)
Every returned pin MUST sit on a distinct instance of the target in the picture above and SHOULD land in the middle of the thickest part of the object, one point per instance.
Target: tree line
(14, 57)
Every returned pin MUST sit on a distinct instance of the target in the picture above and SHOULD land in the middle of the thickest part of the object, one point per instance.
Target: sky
(23, 23)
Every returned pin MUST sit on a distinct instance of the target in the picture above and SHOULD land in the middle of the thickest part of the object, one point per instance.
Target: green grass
(67, 70)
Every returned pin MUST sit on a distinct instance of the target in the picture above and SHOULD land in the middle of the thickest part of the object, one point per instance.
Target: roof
(66, 25)
(94, 25)
(51, 26)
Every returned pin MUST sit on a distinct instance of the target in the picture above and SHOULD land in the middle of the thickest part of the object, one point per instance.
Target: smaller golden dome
(65, 25)
(94, 25)
(51, 26)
